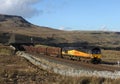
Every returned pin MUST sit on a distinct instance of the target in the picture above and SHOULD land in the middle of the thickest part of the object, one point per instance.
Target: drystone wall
(67, 70)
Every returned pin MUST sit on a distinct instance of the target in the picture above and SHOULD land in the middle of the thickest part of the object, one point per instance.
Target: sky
(90, 15)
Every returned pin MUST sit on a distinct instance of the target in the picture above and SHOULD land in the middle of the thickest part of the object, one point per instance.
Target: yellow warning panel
(78, 53)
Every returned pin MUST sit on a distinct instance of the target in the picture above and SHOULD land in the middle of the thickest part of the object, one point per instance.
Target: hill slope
(25, 30)
(17, 24)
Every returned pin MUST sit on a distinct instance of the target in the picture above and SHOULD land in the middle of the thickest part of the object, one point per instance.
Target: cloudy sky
(67, 14)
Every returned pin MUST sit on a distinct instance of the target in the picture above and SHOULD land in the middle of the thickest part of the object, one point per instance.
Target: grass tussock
(5, 50)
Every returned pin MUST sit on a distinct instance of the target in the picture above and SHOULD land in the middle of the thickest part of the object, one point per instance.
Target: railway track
(68, 67)
(79, 65)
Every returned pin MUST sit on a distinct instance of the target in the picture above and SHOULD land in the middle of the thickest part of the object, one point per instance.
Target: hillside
(17, 24)
(25, 30)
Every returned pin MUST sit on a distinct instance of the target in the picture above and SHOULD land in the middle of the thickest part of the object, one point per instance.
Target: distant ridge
(17, 24)
(24, 30)
(16, 21)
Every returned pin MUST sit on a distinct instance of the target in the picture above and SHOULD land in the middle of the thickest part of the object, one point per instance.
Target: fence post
(118, 62)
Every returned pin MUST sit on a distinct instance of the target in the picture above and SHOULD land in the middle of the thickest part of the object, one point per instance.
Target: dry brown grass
(111, 55)
(5, 50)
(16, 70)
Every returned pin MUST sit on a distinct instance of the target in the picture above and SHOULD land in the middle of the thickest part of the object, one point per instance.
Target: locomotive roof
(82, 48)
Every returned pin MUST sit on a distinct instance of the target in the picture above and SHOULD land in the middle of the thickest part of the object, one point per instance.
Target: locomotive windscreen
(96, 51)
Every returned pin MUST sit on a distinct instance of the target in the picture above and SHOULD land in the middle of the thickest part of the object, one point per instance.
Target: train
(84, 54)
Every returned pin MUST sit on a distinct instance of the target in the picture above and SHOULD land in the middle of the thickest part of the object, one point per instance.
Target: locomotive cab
(96, 55)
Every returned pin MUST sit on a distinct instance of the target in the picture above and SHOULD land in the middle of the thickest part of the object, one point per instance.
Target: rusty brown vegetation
(17, 70)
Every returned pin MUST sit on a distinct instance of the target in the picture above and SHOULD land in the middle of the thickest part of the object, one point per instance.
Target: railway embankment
(66, 70)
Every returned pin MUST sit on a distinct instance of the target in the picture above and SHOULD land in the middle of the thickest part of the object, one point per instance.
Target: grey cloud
(22, 8)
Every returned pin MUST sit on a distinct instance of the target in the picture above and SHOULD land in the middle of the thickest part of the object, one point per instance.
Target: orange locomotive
(92, 54)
